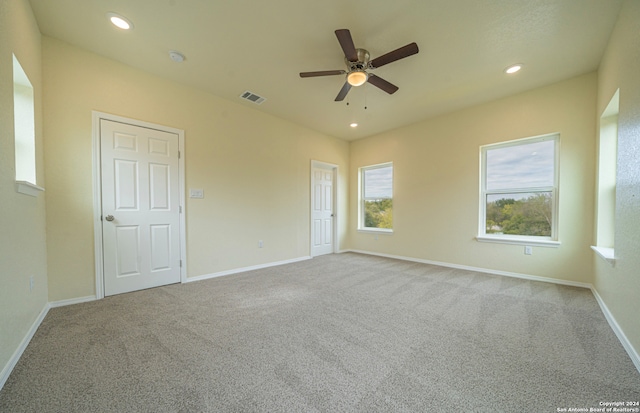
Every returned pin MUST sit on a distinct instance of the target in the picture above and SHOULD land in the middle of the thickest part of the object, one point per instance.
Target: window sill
(376, 230)
(519, 241)
(608, 254)
(28, 188)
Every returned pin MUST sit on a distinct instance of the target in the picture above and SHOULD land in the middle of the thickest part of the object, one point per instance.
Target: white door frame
(334, 168)
(97, 192)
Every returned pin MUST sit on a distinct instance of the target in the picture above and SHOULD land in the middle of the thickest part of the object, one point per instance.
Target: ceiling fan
(358, 63)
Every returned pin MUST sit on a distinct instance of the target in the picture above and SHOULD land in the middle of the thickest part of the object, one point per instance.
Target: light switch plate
(196, 193)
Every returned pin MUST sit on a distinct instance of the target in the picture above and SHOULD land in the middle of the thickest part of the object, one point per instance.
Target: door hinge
(180, 263)
(180, 209)
(178, 154)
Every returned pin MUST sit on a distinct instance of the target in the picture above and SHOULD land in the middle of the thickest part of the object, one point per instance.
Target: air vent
(252, 97)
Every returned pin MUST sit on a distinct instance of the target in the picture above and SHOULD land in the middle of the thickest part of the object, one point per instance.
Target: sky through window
(378, 182)
(528, 165)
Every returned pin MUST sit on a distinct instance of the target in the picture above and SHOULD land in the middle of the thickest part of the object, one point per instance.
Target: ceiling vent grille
(252, 97)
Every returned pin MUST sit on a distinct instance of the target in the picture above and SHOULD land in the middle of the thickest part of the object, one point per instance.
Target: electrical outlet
(528, 250)
(260, 244)
(31, 283)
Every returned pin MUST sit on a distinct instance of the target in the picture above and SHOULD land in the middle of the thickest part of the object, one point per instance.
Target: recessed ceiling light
(513, 68)
(353, 125)
(120, 21)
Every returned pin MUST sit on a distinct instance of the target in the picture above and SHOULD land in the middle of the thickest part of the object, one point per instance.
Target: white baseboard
(633, 354)
(483, 270)
(245, 269)
(8, 368)
(71, 301)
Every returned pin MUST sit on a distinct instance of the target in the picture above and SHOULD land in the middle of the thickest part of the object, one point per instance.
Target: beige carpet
(338, 333)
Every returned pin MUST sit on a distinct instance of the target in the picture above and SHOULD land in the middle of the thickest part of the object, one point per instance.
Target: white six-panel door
(140, 207)
(322, 214)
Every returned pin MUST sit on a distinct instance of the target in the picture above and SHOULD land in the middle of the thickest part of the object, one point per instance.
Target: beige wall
(22, 217)
(619, 286)
(254, 168)
(436, 182)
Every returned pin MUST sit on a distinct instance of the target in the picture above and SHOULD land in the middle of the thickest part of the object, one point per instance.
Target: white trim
(633, 354)
(362, 198)
(608, 254)
(11, 364)
(334, 170)
(28, 188)
(97, 203)
(626, 344)
(183, 205)
(478, 269)
(97, 192)
(518, 241)
(554, 189)
(245, 269)
(387, 231)
(72, 301)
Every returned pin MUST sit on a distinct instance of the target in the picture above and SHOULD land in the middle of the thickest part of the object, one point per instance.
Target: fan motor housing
(362, 62)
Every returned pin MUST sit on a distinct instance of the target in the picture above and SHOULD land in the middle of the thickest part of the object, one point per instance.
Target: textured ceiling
(261, 46)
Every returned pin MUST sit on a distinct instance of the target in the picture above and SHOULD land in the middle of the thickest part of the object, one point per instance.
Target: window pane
(519, 214)
(378, 182)
(521, 166)
(23, 125)
(378, 214)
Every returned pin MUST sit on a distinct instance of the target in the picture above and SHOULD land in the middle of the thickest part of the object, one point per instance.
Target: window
(376, 198)
(24, 131)
(607, 162)
(519, 187)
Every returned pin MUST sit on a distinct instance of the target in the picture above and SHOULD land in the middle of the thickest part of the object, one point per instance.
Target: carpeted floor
(337, 333)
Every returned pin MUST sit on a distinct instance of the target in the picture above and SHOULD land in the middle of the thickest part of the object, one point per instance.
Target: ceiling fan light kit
(357, 77)
(357, 61)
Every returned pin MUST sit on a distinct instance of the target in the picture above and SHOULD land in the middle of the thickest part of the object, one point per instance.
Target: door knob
(109, 218)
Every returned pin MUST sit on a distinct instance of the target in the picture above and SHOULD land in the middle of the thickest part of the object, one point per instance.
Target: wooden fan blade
(382, 84)
(401, 53)
(346, 42)
(343, 92)
(322, 73)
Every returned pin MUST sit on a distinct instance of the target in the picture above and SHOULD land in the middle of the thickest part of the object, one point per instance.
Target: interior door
(140, 207)
(322, 213)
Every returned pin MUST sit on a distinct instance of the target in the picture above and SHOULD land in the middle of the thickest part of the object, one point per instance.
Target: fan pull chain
(366, 88)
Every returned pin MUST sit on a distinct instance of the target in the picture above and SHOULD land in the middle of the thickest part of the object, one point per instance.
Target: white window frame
(607, 181)
(529, 240)
(362, 198)
(24, 132)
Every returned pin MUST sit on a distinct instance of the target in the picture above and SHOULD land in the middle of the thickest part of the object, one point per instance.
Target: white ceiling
(237, 45)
